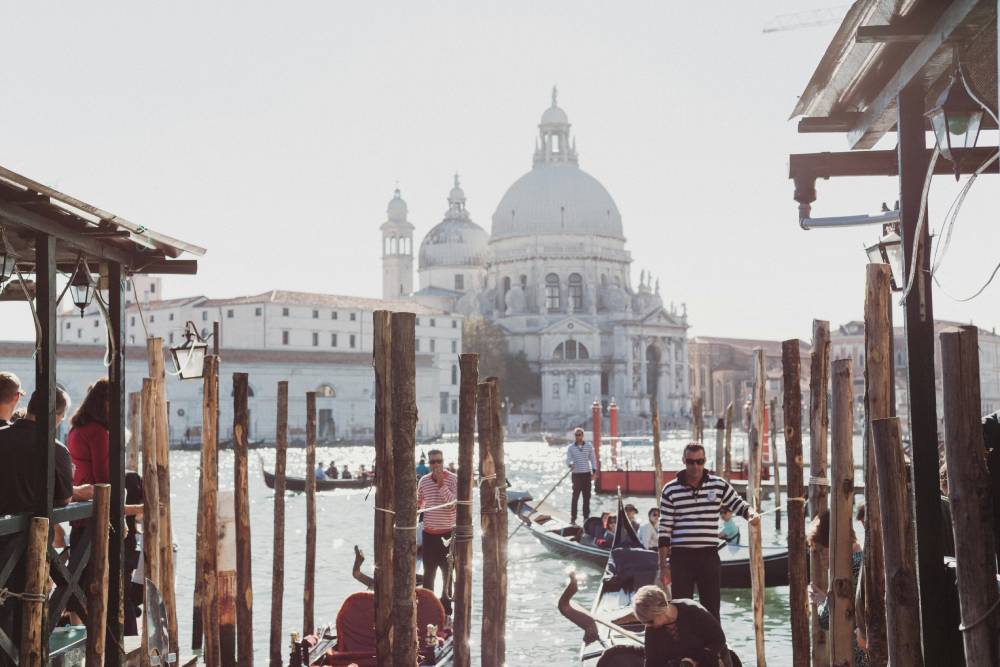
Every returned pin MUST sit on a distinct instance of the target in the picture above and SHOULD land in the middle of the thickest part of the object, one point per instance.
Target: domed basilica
(555, 274)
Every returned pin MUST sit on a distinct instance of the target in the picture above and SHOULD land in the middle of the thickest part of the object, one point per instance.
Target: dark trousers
(581, 485)
(691, 568)
(435, 555)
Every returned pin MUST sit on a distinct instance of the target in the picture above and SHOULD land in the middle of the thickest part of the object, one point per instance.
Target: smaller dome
(456, 240)
(554, 116)
(457, 194)
(396, 209)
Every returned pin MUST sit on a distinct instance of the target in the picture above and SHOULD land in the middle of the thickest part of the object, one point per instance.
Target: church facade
(555, 274)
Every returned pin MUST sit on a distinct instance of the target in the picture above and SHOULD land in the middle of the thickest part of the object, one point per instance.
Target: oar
(561, 479)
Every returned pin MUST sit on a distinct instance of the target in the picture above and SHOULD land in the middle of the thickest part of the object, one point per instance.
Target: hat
(10, 386)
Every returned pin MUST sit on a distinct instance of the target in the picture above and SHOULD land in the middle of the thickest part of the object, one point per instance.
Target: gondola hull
(299, 484)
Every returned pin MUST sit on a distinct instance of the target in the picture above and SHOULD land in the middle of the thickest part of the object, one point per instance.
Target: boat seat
(593, 527)
(356, 626)
(543, 518)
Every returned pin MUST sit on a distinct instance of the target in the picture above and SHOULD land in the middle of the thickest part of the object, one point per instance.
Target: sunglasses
(695, 462)
(433, 461)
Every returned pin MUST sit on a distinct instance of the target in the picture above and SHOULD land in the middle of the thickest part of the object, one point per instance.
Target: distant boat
(299, 484)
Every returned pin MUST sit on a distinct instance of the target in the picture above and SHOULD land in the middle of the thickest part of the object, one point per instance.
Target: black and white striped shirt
(689, 516)
(581, 458)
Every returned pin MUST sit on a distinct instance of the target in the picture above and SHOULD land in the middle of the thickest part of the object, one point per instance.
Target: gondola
(299, 484)
(626, 570)
(579, 542)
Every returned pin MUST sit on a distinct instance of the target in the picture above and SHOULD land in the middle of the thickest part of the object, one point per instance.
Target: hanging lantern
(889, 250)
(81, 288)
(7, 262)
(956, 118)
(189, 357)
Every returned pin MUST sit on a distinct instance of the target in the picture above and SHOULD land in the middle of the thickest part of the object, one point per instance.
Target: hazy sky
(273, 134)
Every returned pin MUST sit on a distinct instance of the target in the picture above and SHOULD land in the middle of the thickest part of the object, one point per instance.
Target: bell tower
(397, 250)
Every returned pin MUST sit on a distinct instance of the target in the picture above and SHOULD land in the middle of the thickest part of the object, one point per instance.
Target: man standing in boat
(439, 487)
(580, 457)
(689, 529)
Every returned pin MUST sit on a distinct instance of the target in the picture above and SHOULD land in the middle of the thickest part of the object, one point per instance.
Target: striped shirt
(689, 516)
(581, 458)
(429, 494)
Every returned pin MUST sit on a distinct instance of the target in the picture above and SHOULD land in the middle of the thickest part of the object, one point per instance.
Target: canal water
(536, 633)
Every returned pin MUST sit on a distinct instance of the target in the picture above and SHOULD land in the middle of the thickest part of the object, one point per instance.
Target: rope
(138, 305)
(6, 594)
(463, 534)
(34, 313)
(819, 481)
(920, 226)
(965, 627)
(778, 508)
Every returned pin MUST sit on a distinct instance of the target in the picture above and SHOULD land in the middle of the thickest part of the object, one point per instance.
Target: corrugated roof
(290, 298)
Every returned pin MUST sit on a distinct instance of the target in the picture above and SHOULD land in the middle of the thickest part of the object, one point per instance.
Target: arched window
(576, 292)
(326, 391)
(393, 245)
(387, 249)
(571, 350)
(552, 293)
(524, 282)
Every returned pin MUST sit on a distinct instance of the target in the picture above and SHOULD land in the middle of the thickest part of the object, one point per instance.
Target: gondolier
(688, 533)
(580, 457)
(440, 487)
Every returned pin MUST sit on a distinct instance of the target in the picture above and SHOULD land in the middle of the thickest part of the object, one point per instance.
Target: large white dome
(557, 198)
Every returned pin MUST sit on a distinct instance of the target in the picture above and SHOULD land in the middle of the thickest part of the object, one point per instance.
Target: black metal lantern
(889, 250)
(956, 117)
(82, 288)
(189, 357)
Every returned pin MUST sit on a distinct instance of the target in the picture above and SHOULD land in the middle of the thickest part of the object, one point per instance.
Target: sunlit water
(536, 632)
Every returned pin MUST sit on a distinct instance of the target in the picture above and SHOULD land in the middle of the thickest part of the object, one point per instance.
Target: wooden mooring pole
(654, 404)
(241, 507)
(727, 466)
(226, 578)
(36, 577)
(775, 461)
(697, 434)
(97, 576)
(404, 421)
(798, 575)
(819, 424)
(500, 521)
(309, 592)
(970, 495)
(753, 497)
(157, 371)
(488, 521)
(151, 496)
(720, 445)
(841, 516)
(278, 562)
(208, 528)
(902, 603)
(880, 403)
(384, 488)
(469, 364)
(135, 428)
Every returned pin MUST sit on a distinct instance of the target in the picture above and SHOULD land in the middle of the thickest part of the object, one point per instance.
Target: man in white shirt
(580, 457)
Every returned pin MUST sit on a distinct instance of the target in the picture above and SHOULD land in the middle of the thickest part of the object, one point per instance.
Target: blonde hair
(649, 602)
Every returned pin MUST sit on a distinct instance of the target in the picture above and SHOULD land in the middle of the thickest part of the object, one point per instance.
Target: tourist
(608, 538)
(631, 512)
(818, 538)
(688, 532)
(331, 471)
(439, 487)
(345, 473)
(422, 468)
(647, 532)
(679, 631)
(729, 531)
(580, 457)
(452, 467)
(10, 396)
(320, 472)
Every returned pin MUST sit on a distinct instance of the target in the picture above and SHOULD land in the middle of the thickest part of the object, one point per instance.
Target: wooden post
(728, 458)
(488, 519)
(880, 403)
(208, 502)
(226, 578)
(720, 446)
(384, 488)
(151, 496)
(612, 433)
(500, 521)
(970, 494)
(898, 546)
(798, 575)
(114, 655)
(34, 652)
(309, 593)
(657, 451)
(135, 428)
(154, 352)
(775, 460)
(595, 416)
(278, 566)
(841, 517)
(819, 424)
(97, 576)
(753, 497)
(469, 364)
(696, 423)
(404, 421)
(241, 507)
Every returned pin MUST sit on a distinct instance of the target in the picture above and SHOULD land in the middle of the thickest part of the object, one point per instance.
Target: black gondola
(579, 542)
(299, 484)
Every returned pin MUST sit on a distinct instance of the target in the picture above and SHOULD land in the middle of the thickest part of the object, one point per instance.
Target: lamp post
(889, 250)
(956, 117)
(189, 357)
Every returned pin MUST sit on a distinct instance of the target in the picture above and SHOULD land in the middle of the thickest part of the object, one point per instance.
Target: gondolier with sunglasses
(688, 532)
(580, 457)
(439, 487)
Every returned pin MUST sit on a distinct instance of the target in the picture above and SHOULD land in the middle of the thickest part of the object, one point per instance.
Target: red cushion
(356, 624)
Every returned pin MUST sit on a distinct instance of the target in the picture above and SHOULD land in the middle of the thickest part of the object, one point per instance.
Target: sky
(273, 134)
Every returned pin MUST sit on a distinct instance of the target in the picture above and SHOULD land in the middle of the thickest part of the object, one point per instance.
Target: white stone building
(555, 274)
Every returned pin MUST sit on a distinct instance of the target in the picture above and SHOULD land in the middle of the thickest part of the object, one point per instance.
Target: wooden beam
(45, 364)
(925, 60)
(875, 34)
(173, 267)
(38, 223)
(835, 122)
(881, 163)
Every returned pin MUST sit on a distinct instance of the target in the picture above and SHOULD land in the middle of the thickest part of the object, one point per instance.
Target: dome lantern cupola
(554, 145)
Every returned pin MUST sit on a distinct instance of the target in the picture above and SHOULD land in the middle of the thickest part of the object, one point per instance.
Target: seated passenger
(320, 473)
(609, 532)
(346, 474)
(631, 512)
(331, 471)
(730, 532)
(10, 396)
(647, 532)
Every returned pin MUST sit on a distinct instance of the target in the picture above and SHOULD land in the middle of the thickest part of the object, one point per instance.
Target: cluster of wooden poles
(891, 618)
